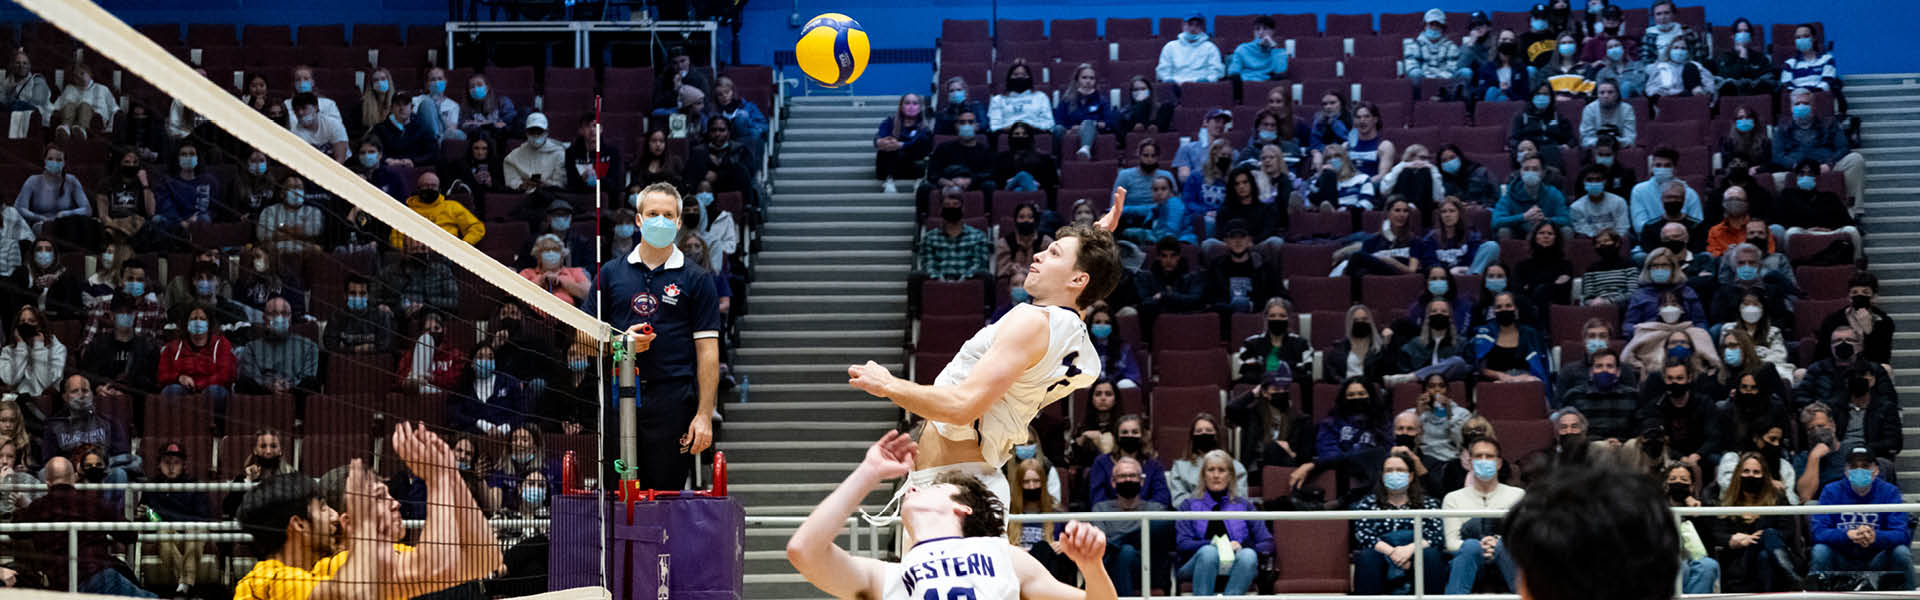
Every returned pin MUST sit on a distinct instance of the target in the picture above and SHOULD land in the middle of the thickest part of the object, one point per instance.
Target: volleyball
(832, 49)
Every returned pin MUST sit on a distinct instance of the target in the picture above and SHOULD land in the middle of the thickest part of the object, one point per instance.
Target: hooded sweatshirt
(1185, 62)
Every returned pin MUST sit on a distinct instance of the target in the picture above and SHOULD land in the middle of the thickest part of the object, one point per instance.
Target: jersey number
(1073, 370)
(959, 593)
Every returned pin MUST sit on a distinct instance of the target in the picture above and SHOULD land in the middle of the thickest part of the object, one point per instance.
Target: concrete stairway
(829, 291)
(1889, 111)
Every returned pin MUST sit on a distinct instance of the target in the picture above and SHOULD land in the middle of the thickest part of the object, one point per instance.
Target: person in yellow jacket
(449, 215)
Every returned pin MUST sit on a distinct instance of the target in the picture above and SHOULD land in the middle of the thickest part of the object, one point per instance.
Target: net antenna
(112, 38)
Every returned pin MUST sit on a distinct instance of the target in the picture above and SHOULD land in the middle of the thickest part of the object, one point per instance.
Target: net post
(629, 413)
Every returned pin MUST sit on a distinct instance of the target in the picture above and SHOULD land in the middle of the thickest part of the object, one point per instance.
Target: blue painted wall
(1870, 36)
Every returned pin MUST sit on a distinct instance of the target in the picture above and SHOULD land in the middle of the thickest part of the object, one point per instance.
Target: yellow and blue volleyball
(832, 49)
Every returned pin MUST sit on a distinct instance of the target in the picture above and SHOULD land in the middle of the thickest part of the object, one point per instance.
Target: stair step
(864, 133)
(830, 373)
(836, 451)
(872, 114)
(814, 339)
(788, 174)
(813, 120)
(1886, 111)
(816, 257)
(878, 321)
(815, 355)
(770, 273)
(761, 408)
(789, 196)
(828, 100)
(828, 288)
(828, 214)
(849, 144)
(867, 431)
(823, 159)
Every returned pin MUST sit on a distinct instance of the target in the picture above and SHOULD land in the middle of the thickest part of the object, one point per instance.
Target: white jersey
(1070, 364)
(955, 568)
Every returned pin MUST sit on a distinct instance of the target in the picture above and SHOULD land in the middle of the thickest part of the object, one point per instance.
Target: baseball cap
(1233, 228)
(1860, 457)
(560, 206)
(1220, 112)
(1611, 12)
(1281, 376)
(537, 121)
(1539, 10)
(173, 449)
(1435, 15)
(1196, 16)
(1478, 18)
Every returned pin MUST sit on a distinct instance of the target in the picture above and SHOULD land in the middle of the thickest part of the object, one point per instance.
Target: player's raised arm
(1082, 543)
(1018, 344)
(456, 544)
(1111, 221)
(811, 550)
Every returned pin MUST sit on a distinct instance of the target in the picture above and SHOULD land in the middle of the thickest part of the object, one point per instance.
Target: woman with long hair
(1265, 222)
(1755, 551)
(903, 141)
(1380, 543)
(1093, 435)
(1203, 544)
(1204, 435)
(1035, 538)
(1353, 430)
(658, 164)
(1358, 353)
(1455, 245)
(1339, 184)
(487, 111)
(377, 99)
(1132, 439)
(1373, 155)
(1084, 107)
(1205, 190)
(1142, 111)
(1545, 275)
(1757, 322)
(1507, 349)
(1116, 355)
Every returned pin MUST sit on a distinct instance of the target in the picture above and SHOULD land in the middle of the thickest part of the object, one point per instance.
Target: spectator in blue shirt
(1530, 203)
(1138, 181)
(185, 195)
(749, 124)
(902, 142)
(488, 401)
(1083, 107)
(954, 102)
(1263, 59)
(1205, 190)
(1862, 541)
(1807, 136)
(1168, 219)
(1645, 201)
(1353, 438)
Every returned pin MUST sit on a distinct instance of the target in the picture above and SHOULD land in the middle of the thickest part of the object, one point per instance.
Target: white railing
(1418, 516)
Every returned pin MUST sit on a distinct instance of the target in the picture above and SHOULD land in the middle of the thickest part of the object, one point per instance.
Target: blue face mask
(550, 257)
(1679, 55)
(1191, 38)
(259, 168)
(1433, 35)
(1450, 166)
(957, 96)
(1538, 24)
(1860, 478)
(206, 287)
(1616, 52)
(1019, 295)
(1397, 480)
(1437, 287)
(1663, 173)
(479, 92)
(54, 166)
(658, 231)
(1743, 125)
(303, 86)
(623, 231)
(1267, 135)
(197, 327)
(1336, 162)
(188, 162)
(1604, 381)
(1567, 49)
(1025, 451)
(532, 496)
(483, 367)
(1540, 101)
(1595, 345)
(1604, 161)
(1732, 357)
(382, 85)
(965, 130)
(43, 257)
(437, 87)
(1680, 352)
(1100, 331)
(1531, 178)
(578, 364)
(295, 198)
(1497, 285)
(1802, 111)
(1486, 469)
(1661, 275)
(135, 288)
(1803, 44)
(369, 159)
(704, 198)
(1742, 38)
(356, 302)
(1805, 182)
(279, 324)
(562, 223)
(1595, 188)
(1747, 272)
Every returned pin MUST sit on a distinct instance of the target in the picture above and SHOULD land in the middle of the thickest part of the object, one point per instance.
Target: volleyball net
(259, 259)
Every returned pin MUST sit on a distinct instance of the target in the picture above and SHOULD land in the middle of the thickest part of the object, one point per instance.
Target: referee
(678, 365)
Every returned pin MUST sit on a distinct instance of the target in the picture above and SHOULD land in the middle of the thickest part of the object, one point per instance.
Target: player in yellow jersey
(294, 528)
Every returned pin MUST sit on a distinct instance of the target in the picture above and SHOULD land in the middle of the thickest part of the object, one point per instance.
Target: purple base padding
(700, 542)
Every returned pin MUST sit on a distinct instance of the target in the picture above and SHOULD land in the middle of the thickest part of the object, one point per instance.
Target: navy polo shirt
(678, 299)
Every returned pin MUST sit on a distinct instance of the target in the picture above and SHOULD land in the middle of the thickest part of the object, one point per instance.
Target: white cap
(1435, 15)
(537, 120)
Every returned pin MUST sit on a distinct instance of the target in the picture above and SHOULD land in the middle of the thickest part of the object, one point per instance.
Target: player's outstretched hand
(892, 456)
(1083, 543)
(1111, 221)
(870, 378)
(422, 451)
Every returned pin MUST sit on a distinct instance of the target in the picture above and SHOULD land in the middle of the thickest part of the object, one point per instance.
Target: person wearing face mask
(446, 213)
(1191, 57)
(1138, 179)
(34, 358)
(1818, 217)
(408, 140)
(1013, 252)
(1185, 478)
(1870, 323)
(1209, 549)
(436, 113)
(1506, 350)
(80, 429)
(95, 570)
(80, 101)
(1538, 44)
(1383, 543)
(1564, 71)
(1530, 203)
(316, 129)
(124, 359)
(1699, 572)
(1665, 272)
(1811, 66)
(43, 280)
(142, 132)
(1744, 68)
(489, 112)
(1033, 473)
(1168, 218)
(291, 225)
(1142, 110)
(966, 161)
(122, 197)
(1083, 107)
(1738, 209)
(1349, 441)
(1131, 441)
(1742, 272)
(1862, 541)
(1123, 561)
(1673, 335)
(281, 360)
(1676, 73)
(148, 316)
(1672, 402)
(954, 100)
(1765, 443)
(1277, 346)
(571, 400)
(1807, 136)
(953, 251)
(181, 559)
(1264, 58)
(1477, 544)
(187, 194)
(1418, 177)
(1432, 56)
(1437, 349)
(550, 270)
(429, 363)
(720, 162)
(1024, 167)
(538, 163)
(1240, 279)
(1822, 461)
(1755, 551)
(1608, 113)
(1605, 398)
(1597, 209)
(486, 401)
(1663, 32)
(1504, 74)
(1020, 102)
(903, 141)
(359, 326)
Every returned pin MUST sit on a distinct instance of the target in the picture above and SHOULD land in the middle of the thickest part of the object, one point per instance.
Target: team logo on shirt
(644, 305)
(673, 294)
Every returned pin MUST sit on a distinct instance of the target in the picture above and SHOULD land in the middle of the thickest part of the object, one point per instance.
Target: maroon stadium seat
(927, 365)
(315, 36)
(369, 35)
(1349, 25)
(1824, 282)
(972, 30)
(1006, 29)
(1316, 48)
(1568, 320)
(1196, 331)
(1438, 114)
(1313, 293)
(1078, 30)
(1296, 25)
(1521, 437)
(1495, 114)
(944, 334)
(1513, 401)
(951, 298)
(1128, 29)
(1191, 367)
(360, 373)
(1314, 559)
(1393, 293)
(1175, 406)
(246, 412)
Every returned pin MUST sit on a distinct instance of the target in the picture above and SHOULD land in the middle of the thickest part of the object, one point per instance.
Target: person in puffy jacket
(1205, 545)
(199, 361)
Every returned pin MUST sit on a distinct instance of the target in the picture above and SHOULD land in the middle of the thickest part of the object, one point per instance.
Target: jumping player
(963, 552)
(981, 404)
